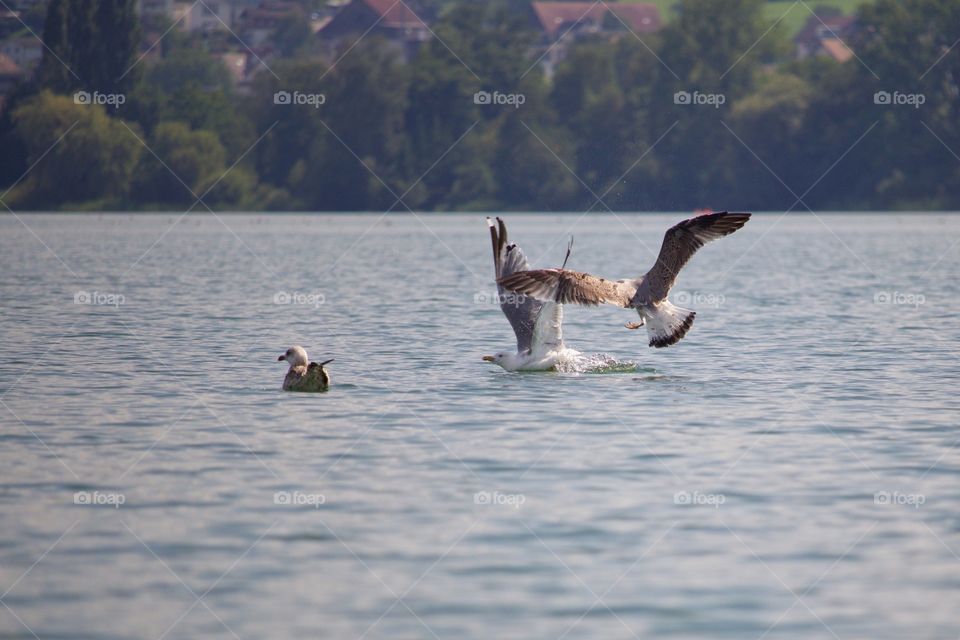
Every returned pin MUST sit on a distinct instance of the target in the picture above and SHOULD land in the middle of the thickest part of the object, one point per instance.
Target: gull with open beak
(537, 324)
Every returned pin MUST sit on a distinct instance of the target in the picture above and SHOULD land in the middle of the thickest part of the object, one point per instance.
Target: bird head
(295, 356)
(497, 358)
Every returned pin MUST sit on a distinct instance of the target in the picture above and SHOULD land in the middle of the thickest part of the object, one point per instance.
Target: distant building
(242, 67)
(827, 36)
(9, 21)
(206, 16)
(257, 24)
(393, 20)
(155, 7)
(561, 23)
(554, 19)
(190, 15)
(26, 52)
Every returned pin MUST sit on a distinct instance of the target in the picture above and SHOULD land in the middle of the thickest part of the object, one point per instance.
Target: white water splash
(596, 363)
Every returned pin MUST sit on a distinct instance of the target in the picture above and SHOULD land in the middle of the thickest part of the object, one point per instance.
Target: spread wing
(682, 241)
(548, 328)
(534, 322)
(570, 287)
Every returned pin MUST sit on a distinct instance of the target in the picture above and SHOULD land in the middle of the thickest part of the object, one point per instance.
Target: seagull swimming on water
(302, 374)
(666, 323)
(537, 324)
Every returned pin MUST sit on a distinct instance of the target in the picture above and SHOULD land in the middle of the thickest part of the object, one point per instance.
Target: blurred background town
(446, 105)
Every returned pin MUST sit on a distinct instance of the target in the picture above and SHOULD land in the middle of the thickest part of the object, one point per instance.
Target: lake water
(788, 470)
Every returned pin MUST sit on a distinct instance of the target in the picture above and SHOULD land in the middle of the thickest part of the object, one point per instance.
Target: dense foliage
(604, 131)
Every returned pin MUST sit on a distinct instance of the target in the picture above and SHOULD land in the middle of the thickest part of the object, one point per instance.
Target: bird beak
(488, 358)
(281, 358)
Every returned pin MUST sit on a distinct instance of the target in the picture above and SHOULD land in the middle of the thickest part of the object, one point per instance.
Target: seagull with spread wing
(666, 323)
(537, 324)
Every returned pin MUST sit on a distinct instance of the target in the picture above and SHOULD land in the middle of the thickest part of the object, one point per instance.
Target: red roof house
(392, 19)
(557, 18)
(827, 35)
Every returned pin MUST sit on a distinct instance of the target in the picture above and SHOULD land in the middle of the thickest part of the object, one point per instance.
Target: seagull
(537, 324)
(666, 323)
(302, 376)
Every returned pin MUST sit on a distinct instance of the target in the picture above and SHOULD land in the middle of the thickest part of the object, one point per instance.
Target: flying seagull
(537, 324)
(666, 323)
(302, 376)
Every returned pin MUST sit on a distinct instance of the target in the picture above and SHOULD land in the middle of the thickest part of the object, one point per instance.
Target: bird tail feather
(667, 323)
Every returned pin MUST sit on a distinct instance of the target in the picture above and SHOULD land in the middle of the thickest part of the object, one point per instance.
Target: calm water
(789, 470)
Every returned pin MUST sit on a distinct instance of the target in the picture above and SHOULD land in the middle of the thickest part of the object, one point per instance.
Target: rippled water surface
(789, 470)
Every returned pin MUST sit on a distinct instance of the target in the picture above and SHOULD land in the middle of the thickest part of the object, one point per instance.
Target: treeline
(710, 112)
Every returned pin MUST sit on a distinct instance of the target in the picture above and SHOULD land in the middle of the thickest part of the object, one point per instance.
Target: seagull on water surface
(304, 375)
(537, 324)
(666, 323)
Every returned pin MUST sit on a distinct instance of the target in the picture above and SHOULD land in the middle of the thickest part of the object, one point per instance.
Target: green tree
(93, 160)
(529, 171)
(294, 35)
(333, 156)
(55, 72)
(772, 122)
(288, 132)
(192, 87)
(82, 45)
(187, 163)
(707, 50)
(440, 110)
(116, 46)
(90, 45)
(910, 46)
(588, 99)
